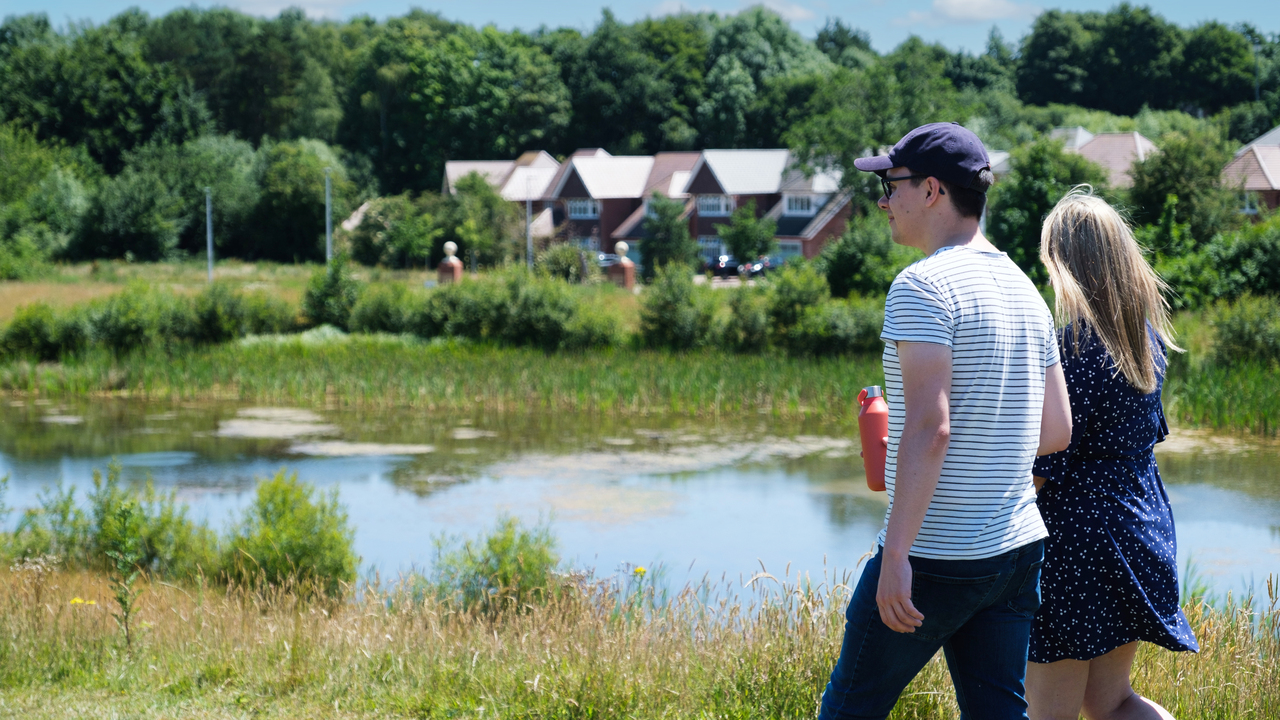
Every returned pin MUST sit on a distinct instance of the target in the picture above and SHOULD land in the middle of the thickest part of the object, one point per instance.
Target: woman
(1110, 575)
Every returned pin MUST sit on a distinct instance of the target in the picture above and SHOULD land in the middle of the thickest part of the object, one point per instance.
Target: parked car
(759, 267)
(724, 266)
(606, 260)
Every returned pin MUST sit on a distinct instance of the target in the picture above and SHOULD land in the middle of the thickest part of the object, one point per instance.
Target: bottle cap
(873, 391)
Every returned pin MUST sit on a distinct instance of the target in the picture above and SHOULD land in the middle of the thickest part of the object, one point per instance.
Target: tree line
(111, 132)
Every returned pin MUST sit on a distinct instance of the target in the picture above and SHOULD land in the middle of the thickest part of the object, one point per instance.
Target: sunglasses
(887, 183)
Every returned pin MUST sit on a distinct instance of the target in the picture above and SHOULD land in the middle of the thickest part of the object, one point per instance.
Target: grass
(594, 650)
(381, 371)
(73, 284)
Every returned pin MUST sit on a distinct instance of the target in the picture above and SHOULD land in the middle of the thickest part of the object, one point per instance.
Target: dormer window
(584, 209)
(715, 205)
(801, 205)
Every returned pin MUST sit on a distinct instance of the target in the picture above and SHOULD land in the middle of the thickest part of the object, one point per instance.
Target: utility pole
(208, 226)
(328, 217)
(528, 219)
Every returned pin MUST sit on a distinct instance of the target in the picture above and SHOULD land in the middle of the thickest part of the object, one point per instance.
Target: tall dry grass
(594, 650)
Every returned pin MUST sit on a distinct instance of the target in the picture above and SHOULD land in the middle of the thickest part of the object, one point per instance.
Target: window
(1250, 206)
(584, 209)
(587, 243)
(715, 205)
(788, 249)
(710, 248)
(799, 205)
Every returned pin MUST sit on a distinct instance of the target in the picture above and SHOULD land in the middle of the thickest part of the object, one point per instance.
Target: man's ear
(933, 191)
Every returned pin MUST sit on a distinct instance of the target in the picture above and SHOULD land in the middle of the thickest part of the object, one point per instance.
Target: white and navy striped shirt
(1002, 339)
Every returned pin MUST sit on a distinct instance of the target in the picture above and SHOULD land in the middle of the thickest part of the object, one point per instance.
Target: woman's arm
(1055, 418)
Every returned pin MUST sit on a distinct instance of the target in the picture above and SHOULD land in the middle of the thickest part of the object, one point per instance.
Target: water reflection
(701, 498)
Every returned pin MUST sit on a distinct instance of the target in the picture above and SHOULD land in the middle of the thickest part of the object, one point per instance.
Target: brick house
(597, 199)
(1255, 169)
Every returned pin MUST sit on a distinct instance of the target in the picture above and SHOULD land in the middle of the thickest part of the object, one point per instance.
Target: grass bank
(380, 371)
(387, 371)
(595, 650)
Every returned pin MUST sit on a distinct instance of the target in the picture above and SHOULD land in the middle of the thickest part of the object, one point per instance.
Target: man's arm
(1055, 418)
(926, 433)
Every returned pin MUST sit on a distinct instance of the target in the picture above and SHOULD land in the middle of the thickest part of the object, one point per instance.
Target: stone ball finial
(621, 248)
(450, 249)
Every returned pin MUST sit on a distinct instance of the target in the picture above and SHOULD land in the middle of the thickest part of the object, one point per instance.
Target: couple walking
(986, 404)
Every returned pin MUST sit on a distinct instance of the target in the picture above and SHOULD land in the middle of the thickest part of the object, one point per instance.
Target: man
(975, 392)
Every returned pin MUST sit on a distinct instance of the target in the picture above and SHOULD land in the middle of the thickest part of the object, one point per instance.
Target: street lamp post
(528, 220)
(208, 226)
(328, 217)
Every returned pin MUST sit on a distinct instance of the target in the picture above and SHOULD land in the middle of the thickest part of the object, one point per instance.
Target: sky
(958, 24)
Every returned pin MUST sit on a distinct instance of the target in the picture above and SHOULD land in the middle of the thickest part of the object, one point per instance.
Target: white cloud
(791, 12)
(969, 11)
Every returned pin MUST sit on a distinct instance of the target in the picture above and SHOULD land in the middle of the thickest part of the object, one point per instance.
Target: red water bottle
(873, 427)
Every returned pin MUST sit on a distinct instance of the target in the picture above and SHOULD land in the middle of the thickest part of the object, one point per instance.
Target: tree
(666, 243)
(1055, 59)
(96, 88)
(485, 225)
(1218, 68)
(864, 259)
(844, 45)
(288, 221)
(1040, 174)
(1188, 166)
(747, 236)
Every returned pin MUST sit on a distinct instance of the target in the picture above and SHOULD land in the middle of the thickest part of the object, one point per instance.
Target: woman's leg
(1108, 694)
(1055, 691)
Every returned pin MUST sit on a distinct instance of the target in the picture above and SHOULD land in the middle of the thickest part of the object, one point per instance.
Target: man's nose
(883, 203)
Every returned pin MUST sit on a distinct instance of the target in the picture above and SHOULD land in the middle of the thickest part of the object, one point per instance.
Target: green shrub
(794, 288)
(591, 327)
(511, 567)
(474, 309)
(538, 313)
(835, 327)
(747, 327)
(140, 317)
(22, 257)
(32, 333)
(1249, 329)
(674, 313)
(331, 294)
(864, 259)
(170, 545)
(291, 535)
(264, 314)
(567, 262)
(382, 309)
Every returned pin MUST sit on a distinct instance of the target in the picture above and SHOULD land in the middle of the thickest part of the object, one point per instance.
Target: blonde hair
(1104, 285)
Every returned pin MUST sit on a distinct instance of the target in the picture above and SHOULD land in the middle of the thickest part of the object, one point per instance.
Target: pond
(696, 498)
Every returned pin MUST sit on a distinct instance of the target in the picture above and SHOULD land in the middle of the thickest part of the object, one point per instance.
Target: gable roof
(1257, 167)
(605, 177)
(739, 172)
(670, 173)
(1270, 138)
(821, 182)
(495, 172)
(1072, 137)
(807, 227)
(1117, 152)
(526, 177)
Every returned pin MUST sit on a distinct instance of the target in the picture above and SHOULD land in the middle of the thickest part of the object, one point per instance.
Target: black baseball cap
(946, 151)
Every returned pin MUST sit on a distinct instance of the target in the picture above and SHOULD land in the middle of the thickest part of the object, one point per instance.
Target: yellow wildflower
(639, 571)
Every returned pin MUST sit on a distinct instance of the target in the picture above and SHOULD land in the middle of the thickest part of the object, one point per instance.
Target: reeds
(593, 650)
(389, 372)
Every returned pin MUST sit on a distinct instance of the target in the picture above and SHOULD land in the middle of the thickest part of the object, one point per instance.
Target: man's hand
(894, 596)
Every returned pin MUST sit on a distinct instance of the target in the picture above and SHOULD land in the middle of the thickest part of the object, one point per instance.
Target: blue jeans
(978, 611)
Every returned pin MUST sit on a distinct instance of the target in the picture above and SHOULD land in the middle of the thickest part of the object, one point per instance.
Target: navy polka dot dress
(1110, 574)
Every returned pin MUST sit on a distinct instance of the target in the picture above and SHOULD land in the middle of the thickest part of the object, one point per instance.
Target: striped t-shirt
(1002, 340)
